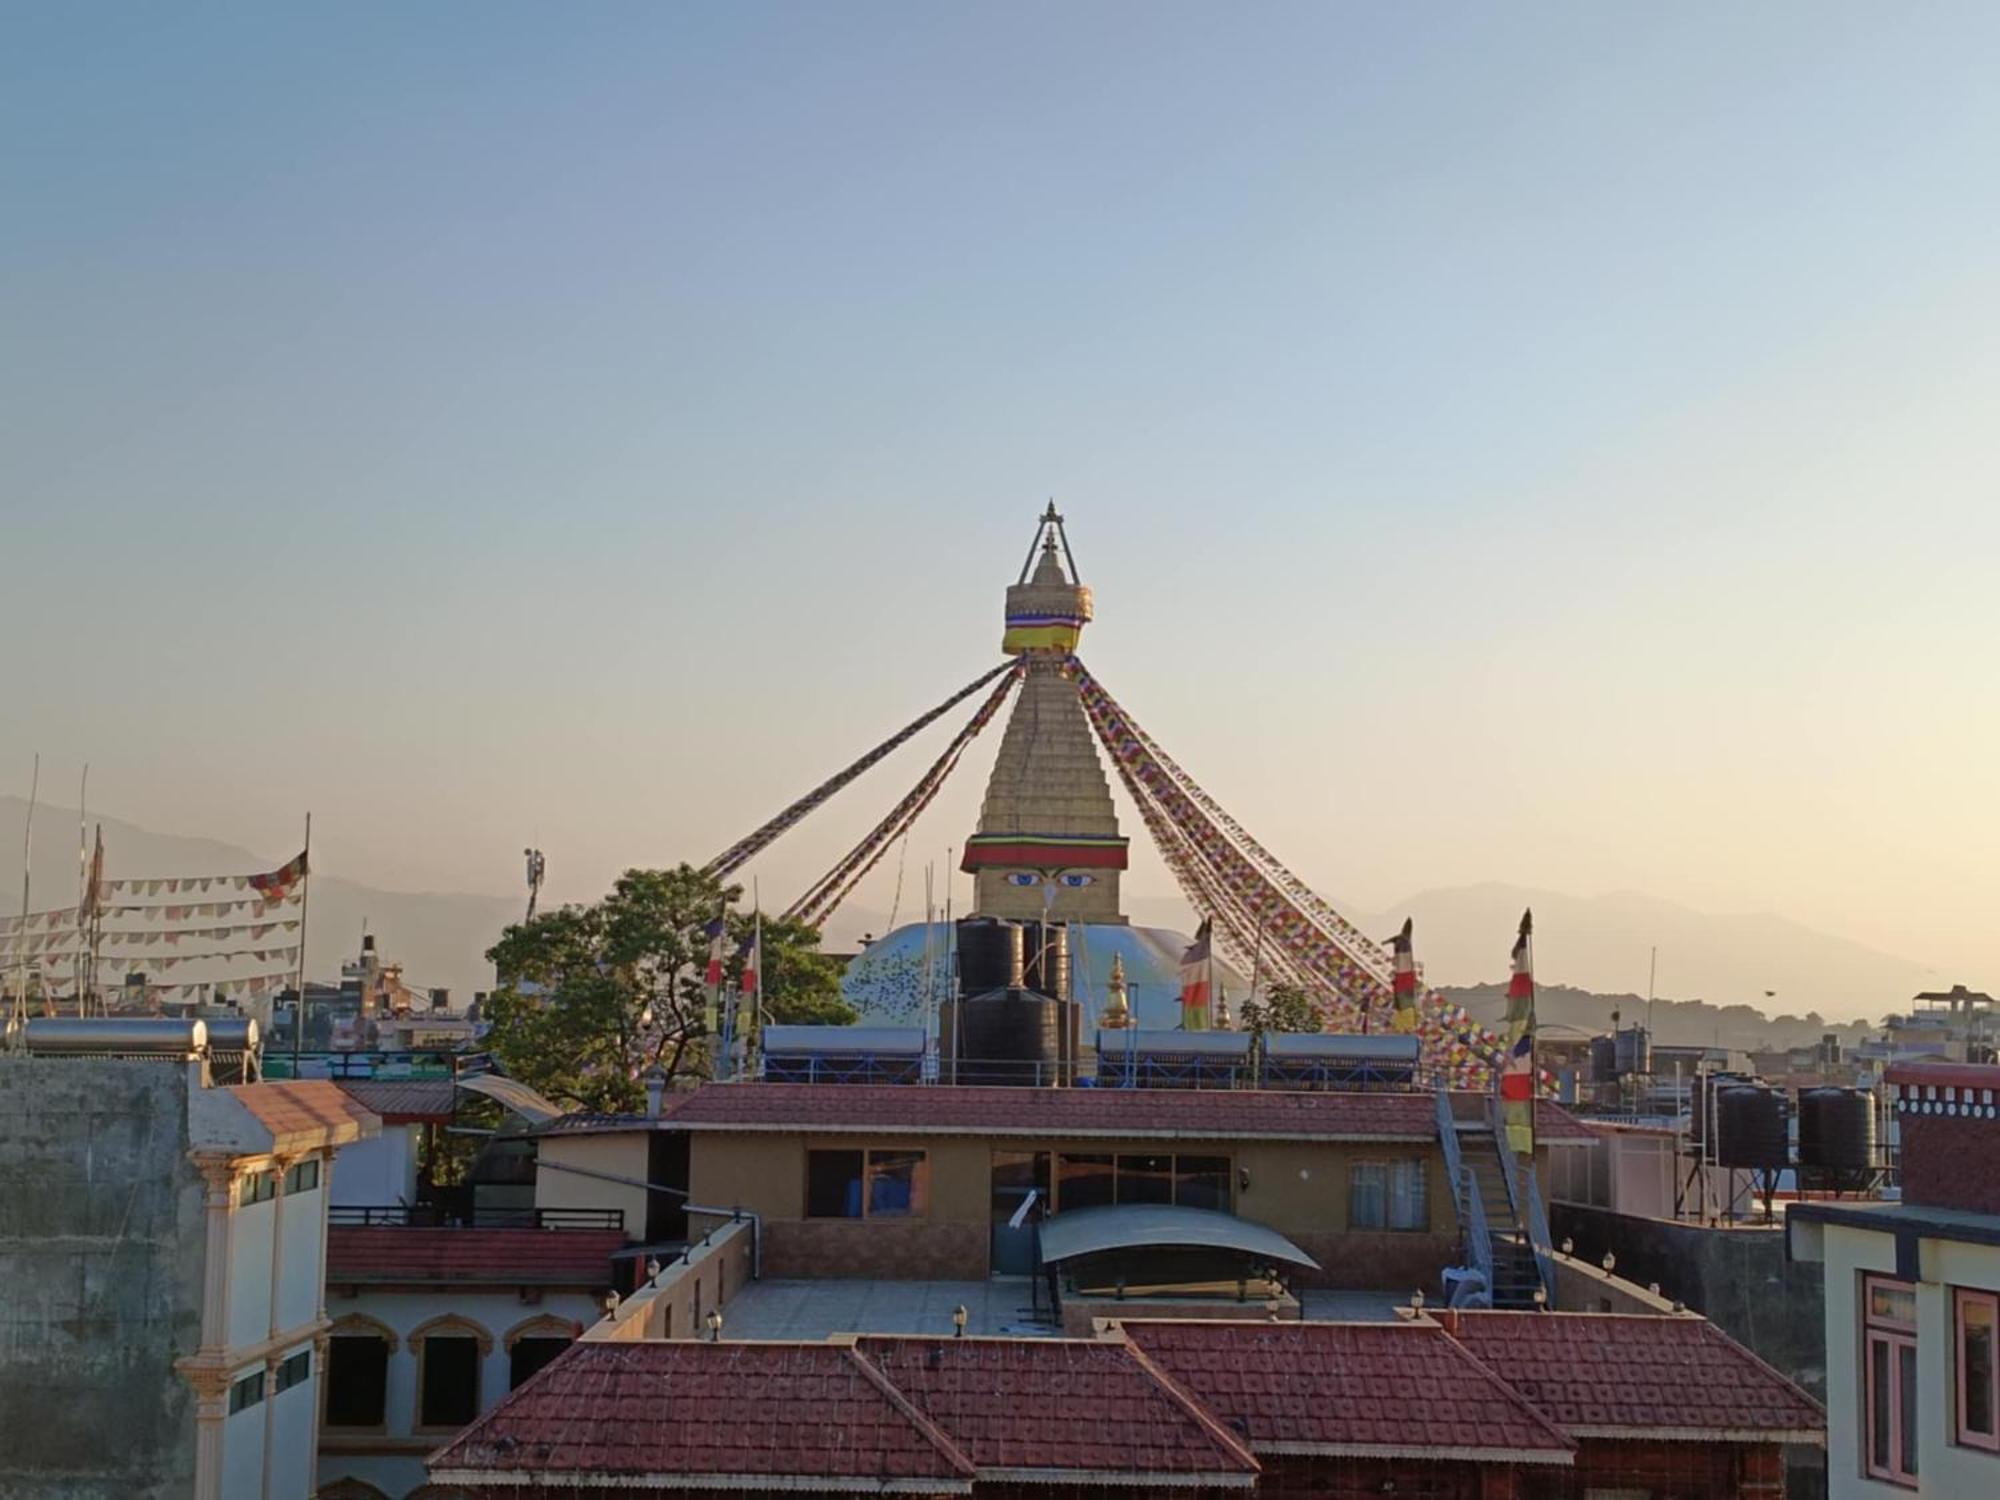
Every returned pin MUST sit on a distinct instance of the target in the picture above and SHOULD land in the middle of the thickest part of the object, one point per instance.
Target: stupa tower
(1048, 840)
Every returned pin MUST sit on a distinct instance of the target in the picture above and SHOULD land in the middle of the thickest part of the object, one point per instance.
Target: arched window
(532, 1344)
(357, 1371)
(450, 1351)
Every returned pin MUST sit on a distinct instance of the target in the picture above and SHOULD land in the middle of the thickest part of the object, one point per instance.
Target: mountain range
(1596, 945)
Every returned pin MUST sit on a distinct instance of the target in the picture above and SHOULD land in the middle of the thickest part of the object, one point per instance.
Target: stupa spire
(1048, 841)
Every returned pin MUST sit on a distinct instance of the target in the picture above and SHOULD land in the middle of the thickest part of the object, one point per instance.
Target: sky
(1544, 443)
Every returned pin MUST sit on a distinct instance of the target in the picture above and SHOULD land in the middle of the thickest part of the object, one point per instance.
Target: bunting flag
(1517, 1073)
(711, 979)
(1404, 1016)
(93, 892)
(273, 885)
(1198, 978)
(751, 988)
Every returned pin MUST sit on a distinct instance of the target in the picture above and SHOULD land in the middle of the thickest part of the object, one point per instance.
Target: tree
(591, 997)
(1283, 1007)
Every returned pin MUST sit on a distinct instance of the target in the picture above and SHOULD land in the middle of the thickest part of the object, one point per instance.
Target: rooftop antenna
(537, 868)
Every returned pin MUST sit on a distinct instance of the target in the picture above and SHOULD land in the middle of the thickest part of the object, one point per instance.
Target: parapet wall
(102, 1257)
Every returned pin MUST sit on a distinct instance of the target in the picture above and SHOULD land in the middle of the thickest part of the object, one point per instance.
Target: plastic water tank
(1634, 1050)
(1013, 1037)
(1603, 1059)
(989, 955)
(1836, 1129)
(1046, 958)
(1750, 1127)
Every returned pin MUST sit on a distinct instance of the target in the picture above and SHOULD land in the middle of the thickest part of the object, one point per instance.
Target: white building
(1913, 1300)
(164, 1326)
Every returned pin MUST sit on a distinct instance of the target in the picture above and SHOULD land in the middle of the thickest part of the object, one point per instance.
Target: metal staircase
(1498, 1209)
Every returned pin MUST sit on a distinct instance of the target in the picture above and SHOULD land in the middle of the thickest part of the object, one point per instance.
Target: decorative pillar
(273, 1356)
(211, 1388)
(219, 1174)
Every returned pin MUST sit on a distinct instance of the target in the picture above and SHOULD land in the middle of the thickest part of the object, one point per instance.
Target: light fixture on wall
(1242, 1179)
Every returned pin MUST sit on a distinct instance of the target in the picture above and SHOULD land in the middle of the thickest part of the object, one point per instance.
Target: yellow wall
(622, 1153)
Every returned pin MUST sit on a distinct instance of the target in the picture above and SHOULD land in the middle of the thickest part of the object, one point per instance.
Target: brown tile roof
(734, 1414)
(405, 1101)
(305, 1113)
(1350, 1389)
(960, 1110)
(1553, 1123)
(1630, 1375)
(1060, 1409)
(506, 1257)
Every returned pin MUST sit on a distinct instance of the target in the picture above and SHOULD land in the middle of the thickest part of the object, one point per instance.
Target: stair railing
(1472, 1225)
(1524, 1196)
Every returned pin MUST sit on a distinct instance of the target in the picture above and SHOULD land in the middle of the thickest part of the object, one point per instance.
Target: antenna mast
(537, 868)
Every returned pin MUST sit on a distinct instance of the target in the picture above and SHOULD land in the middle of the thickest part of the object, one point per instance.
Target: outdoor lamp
(714, 1321)
(958, 1321)
(1569, 1245)
(1654, 1288)
(652, 1270)
(1610, 1260)
(1417, 1300)
(1541, 1299)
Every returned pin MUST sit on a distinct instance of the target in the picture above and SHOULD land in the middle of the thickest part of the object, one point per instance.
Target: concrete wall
(674, 1304)
(1299, 1189)
(1739, 1279)
(378, 1171)
(299, 1273)
(621, 1153)
(102, 1256)
(292, 1457)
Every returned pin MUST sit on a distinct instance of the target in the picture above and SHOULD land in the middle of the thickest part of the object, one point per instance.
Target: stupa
(1048, 843)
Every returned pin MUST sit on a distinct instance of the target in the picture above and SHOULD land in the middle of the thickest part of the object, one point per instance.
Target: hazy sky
(1551, 444)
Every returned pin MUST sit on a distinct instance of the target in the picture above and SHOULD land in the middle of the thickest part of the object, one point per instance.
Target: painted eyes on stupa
(1076, 879)
(1023, 877)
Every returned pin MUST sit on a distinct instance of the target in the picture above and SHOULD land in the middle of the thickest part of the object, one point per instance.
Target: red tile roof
(506, 1257)
(1350, 1389)
(963, 1110)
(1555, 1124)
(304, 1114)
(735, 1414)
(1060, 1408)
(1629, 1375)
(405, 1101)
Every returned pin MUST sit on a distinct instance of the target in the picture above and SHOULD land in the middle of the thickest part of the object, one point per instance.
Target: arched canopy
(512, 1094)
(1139, 1226)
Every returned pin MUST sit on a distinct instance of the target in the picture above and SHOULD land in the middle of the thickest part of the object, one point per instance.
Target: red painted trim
(1037, 856)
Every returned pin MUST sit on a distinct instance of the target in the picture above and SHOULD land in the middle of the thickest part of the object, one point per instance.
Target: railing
(438, 1216)
(1526, 1201)
(1479, 1238)
(1465, 1188)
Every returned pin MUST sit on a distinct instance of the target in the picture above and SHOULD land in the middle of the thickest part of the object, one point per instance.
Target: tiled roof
(304, 1114)
(735, 1414)
(1050, 1408)
(507, 1257)
(1619, 1375)
(963, 1110)
(1355, 1389)
(1553, 1123)
(405, 1101)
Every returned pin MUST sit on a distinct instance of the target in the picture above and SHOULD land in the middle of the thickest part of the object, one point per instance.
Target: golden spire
(1117, 1010)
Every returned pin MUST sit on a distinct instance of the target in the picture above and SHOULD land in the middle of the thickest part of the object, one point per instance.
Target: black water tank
(1836, 1129)
(1046, 946)
(1750, 1127)
(1634, 1050)
(989, 955)
(1603, 1059)
(1014, 1037)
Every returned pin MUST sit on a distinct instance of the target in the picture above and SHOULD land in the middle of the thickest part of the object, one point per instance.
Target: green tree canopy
(590, 997)
(1282, 1007)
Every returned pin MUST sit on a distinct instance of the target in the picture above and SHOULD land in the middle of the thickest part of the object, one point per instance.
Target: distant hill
(1558, 1008)
(440, 939)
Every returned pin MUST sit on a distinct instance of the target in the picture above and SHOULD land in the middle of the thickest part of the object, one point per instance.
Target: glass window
(1978, 1320)
(303, 1176)
(1408, 1208)
(1145, 1179)
(1387, 1195)
(246, 1393)
(530, 1354)
(357, 1380)
(1015, 1175)
(1202, 1182)
(898, 1185)
(1084, 1182)
(1889, 1373)
(258, 1187)
(833, 1184)
(450, 1395)
(295, 1370)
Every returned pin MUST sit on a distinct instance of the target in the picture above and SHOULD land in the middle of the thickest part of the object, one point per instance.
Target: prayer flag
(1517, 1071)
(1404, 1017)
(1197, 979)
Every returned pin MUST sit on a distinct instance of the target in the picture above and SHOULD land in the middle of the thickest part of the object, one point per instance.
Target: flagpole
(76, 967)
(305, 906)
(20, 1011)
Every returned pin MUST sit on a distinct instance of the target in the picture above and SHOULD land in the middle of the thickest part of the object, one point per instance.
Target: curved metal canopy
(1131, 1226)
(512, 1094)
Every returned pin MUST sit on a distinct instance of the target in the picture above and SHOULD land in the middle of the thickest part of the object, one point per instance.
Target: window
(1085, 1182)
(1202, 1182)
(1145, 1179)
(867, 1184)
(898, 1185)
(1889, 1376)
(258, 1187)
(449, 1394)
(357, 1380)
(303, 1176)
(296, 1370)
(529, 1355)
(1387, 1195)
(1976, 1316)
(246, 1393)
